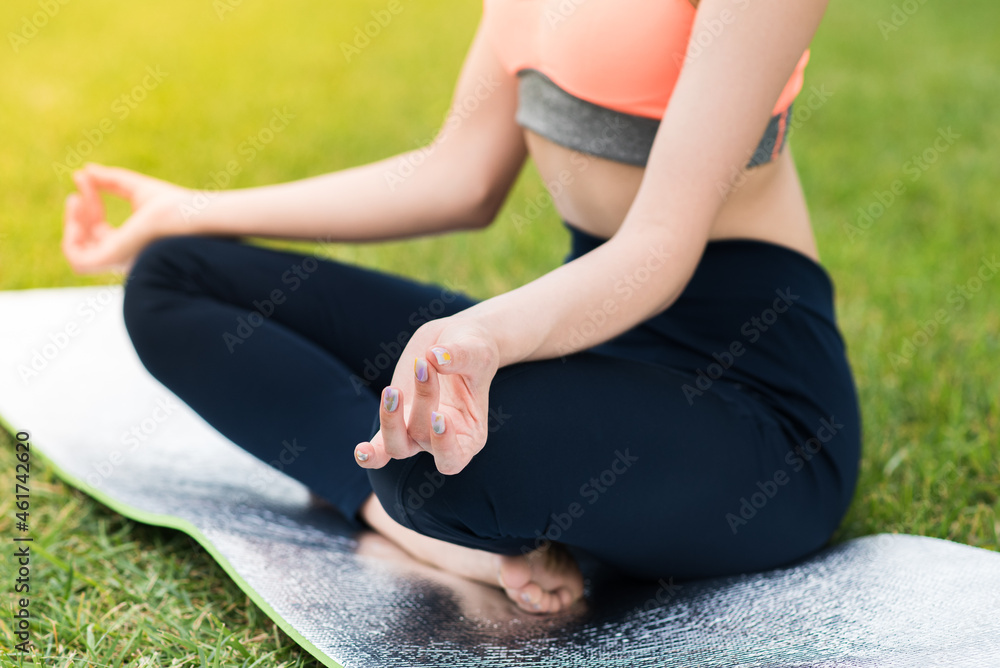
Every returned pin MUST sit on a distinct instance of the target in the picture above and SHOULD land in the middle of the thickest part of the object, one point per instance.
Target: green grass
(112, 591)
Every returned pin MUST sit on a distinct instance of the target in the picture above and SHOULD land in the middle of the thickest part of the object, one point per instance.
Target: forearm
(405, 195)
(591, 299)
(718, 109)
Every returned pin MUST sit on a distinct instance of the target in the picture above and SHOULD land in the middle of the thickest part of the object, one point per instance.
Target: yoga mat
(69, 376)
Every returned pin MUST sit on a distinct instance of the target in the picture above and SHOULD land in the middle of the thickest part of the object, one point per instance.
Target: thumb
(89, 206)
(444, 357)
(467, 355)
(118, 181)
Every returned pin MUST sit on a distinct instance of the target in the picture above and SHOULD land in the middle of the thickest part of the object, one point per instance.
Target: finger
(116, 180)
(71, 224)
(395, 437)
(469, 356)
(442, 358)
(448, 455)
(76, 223)
(74, 239)
(81, 244)
(391, 441)
(371, 454)
(425, 400)
(91, 204)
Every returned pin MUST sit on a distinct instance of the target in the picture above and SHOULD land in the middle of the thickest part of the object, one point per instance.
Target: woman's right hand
(91, 244)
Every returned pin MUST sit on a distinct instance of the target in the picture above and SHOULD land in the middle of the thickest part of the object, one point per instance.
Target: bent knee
(164, 257)
(409, 490)
(450, 508)
(162, 266)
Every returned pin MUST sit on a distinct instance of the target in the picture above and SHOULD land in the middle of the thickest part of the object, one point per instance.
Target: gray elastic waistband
(545, 108)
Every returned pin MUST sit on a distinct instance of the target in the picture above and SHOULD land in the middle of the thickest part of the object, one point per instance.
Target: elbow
(481, 204)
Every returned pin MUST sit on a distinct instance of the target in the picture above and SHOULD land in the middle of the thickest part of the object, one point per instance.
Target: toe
(515, 572)
(565, 597)
(553, 602)
(560, 572)
(550, 603)
(531, 597)
(544, 581)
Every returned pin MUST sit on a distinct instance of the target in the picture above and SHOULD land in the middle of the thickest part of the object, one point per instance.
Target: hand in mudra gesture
(91, 244)
(439, 397)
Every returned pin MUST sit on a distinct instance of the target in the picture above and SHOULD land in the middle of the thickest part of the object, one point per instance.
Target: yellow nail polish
(441, 355)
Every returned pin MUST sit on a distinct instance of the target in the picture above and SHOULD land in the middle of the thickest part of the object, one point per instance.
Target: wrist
(185, 211)
(508, 340)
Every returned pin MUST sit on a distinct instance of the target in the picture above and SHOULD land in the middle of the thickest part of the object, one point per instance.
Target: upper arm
(479, 135)
(716, 115)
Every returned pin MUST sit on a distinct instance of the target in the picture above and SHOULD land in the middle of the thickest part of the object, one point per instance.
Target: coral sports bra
(597, 75)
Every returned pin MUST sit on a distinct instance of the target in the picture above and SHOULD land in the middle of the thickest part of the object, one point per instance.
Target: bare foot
(476, 600)
(546, 580)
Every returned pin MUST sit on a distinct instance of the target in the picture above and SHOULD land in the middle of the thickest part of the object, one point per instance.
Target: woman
(674, 399)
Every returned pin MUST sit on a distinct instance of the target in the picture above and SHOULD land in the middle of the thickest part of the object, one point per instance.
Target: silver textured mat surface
(69, 376)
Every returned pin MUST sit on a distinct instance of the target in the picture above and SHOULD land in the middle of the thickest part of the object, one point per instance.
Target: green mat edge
(172, 522)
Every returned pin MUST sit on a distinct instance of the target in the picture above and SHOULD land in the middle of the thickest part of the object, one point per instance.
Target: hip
(757, 324)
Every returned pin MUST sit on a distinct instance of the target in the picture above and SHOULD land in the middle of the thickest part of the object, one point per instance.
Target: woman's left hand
(439, 397)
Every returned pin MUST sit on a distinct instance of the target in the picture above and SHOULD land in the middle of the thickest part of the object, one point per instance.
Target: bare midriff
(767, 205)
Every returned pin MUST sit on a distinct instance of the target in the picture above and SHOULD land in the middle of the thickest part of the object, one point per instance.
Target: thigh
(275, 349)
(603, 454)
(363, 316)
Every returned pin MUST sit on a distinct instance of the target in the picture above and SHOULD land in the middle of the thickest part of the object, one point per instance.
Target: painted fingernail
(437, 422)
(420, 369)
(390, 398)
(441, 355)
(525, 597)
(362, 456)
(536, 606)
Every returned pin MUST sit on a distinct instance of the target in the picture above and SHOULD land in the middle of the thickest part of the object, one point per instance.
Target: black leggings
(720, 436)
